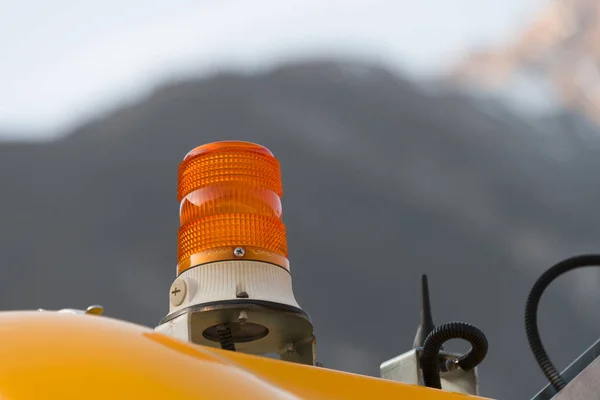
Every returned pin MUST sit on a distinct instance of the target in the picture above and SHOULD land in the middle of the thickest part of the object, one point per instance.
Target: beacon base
(257, 328)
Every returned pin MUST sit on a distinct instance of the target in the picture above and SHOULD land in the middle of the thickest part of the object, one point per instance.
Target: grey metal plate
(583, 377)
(585, 386)
(406, 369)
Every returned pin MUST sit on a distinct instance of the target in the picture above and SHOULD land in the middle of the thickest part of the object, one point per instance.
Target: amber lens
(230, 194)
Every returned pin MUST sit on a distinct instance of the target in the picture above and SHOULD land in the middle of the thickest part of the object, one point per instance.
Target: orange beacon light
(230, 198)
(233, 287)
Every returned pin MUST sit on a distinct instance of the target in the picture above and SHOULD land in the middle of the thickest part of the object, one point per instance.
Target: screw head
(95, 310)
(239, 252)
(177, 292)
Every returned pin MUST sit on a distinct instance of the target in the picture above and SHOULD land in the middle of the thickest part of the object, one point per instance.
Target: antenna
(427, 325)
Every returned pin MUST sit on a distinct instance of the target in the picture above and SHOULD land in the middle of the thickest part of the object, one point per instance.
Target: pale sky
(64, 60)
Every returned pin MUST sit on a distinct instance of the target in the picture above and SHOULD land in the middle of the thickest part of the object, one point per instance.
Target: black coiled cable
(430, 362)
(225, 337)
(531, 308)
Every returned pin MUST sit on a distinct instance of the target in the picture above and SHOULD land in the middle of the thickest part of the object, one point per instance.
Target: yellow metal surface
(46, 355)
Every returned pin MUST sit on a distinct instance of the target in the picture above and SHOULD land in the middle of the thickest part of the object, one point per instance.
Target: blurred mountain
(557, 55)
(384, 181)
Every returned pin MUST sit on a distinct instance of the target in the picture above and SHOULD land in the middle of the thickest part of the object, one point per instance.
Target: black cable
(225, 337)
(430, 361)
(531, 326)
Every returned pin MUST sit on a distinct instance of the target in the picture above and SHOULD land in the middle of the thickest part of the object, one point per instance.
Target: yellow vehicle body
(50, 355)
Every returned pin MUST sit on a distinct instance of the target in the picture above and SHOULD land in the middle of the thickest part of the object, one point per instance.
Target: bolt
(452, 365)
(239, 252)
(243, 317)
(177, 292)
(288, 348)
(242, 295)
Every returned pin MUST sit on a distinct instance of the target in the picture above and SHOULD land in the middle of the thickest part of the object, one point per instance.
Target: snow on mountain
(551, 64)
